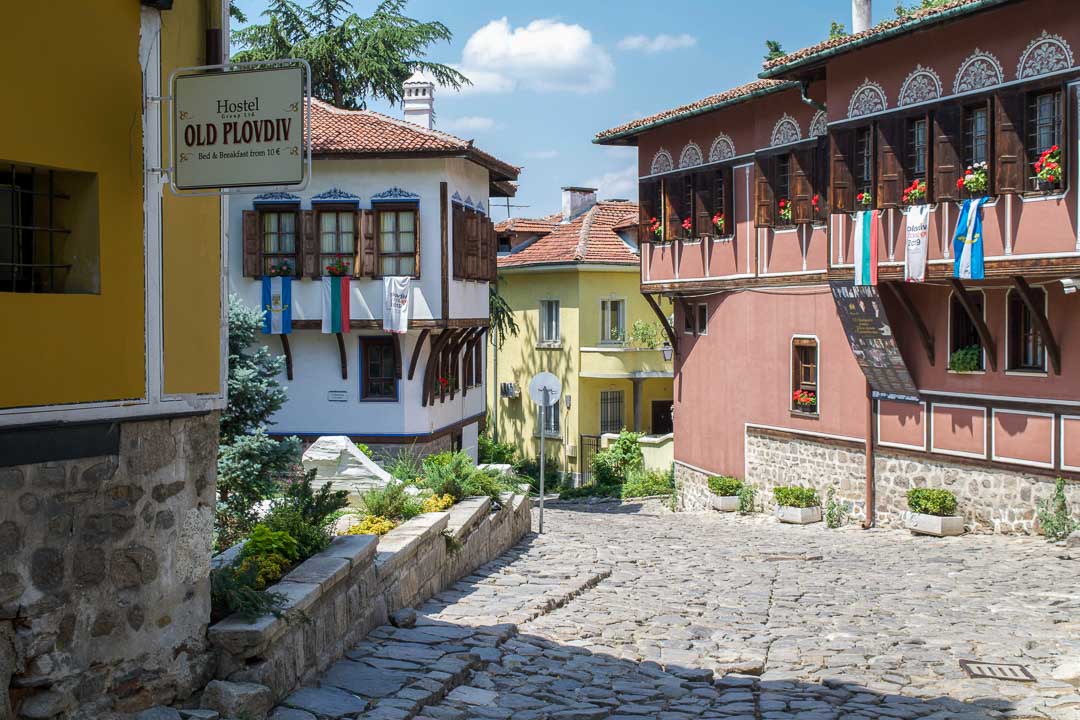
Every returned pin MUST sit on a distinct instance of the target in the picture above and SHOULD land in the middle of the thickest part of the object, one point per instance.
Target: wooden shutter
(358, 263)
(493, 255)
(481, 248)
(472, 257)
(416, 242)
(948, 143)
(309, 244)
(649, 207)
(820, 178)
(841, 180)
(763, 192)
(890, 151)
(253, 264)
(458, 237)
(702, 203)
(1009, 162)
(367, 248)
(802, 188)
(673, 212)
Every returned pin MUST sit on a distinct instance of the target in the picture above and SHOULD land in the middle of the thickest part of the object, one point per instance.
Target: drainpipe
(870, 417)
(804, 88)
(214, 13)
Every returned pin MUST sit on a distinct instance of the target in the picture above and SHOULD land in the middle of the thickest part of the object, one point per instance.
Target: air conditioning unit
(509, 390)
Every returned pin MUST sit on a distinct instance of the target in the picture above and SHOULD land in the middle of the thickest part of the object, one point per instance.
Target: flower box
(936, 525)
(797, 515)
(725, 503)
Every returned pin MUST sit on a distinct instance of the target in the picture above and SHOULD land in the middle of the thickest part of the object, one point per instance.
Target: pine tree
(774, 50)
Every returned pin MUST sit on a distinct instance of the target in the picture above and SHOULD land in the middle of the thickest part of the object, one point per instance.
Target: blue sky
(549, 75)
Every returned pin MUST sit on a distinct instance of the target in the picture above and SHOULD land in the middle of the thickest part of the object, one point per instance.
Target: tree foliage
(773, 50)
(353, 59)
(837, 30)
(502, 317)
(254, 392)
(903, 11)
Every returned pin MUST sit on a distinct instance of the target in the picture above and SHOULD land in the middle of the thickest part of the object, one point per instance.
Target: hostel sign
(240, 127)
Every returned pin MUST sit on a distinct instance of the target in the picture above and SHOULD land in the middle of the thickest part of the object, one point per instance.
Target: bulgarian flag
(866, 247)
(277, 305)
(335, 304)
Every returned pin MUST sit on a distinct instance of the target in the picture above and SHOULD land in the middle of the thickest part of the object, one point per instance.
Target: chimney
(860, 16)
(576, 200)
(420, 101)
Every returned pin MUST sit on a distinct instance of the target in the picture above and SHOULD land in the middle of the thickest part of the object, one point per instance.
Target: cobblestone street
(635, 612)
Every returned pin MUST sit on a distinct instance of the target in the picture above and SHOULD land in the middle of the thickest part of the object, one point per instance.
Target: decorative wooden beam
(985, 339)
(417, 349)
(925, 336)
(344, 357)
(397, 354)
(428, 390)
(1041, 323)
(672, 339)
(287, 351)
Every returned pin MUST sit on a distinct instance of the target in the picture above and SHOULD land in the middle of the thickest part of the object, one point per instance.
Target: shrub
(489, 451)
(724, 486)
(264, 541)
(530, 468)
(314, 506)
(746, 500)
(1054, 518)
(447, 474)
(835, 512)
(437, 503)
(586, 491)
(796, 496)
(249, 469)
(391, 502)
(232, 590)
(310, 538)
(404, 466)
(966, 359)
(930, 501)
(372, 525)
(488, 483)
(644, 483)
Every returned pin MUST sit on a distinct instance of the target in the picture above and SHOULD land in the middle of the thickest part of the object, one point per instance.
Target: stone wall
(104, 590)
(991, 499)
(338, 596)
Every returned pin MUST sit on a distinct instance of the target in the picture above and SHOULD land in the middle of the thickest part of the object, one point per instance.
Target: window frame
(955, 304)
(859, 162)
(1060, 121)
(605, 310)
(621, 405)
(911, 148)
(796, 366)
(701, 313)
(967, 140)
(554, 419)
(337, 210)
(786, 177)
(264, 209)
(378, 210)
(366, 344)
(545, 341)
(1013, 301)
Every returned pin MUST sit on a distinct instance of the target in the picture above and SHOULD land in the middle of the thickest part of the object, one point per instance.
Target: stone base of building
(104, 561)
(990, 499)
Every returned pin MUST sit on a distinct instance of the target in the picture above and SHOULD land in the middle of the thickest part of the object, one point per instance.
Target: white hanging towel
(916, 243)
(396, 304)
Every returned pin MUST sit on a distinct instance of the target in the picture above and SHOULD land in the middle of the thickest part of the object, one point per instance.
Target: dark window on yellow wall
(963, 334)
(1026, 351)
(804, 375)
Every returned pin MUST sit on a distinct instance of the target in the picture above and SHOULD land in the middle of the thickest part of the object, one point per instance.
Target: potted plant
(718, 223)
(804, 401)
(915, 193)
(338, 268)
(725, 492)
(797, 504)
(816, 202)
(784, 211)
(657, 229)
(1048, 169)
(966, 360)
(932, 513)
(975, 180)
(281, 269)
(865, 200)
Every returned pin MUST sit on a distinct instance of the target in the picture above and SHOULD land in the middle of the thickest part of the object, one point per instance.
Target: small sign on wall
(337, 395)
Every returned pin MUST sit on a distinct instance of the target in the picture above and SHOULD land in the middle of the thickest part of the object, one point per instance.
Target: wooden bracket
(1041, 323)
(417, 349)
(344, 357)
(985, 339)
(397, 354)
(913, 315)
(428, 390)
(287, 351)
(672, 339)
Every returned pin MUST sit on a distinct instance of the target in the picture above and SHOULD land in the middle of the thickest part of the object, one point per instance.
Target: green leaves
(1054, 518)
(931, 501)
(724, 486)
(502, 317)
(796, 496)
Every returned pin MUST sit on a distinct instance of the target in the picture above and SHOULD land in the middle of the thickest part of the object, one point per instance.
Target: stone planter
(934, 524)
(798, 516)
(725, 503)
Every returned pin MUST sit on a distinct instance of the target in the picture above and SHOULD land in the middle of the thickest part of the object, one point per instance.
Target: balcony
(616, 361)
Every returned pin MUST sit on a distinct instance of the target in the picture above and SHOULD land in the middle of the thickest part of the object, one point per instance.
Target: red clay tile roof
(364, 132)
(713, 102)
(588, 238)
(881, 31)
(529, 225)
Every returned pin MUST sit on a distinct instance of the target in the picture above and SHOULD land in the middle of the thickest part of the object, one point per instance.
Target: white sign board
(545, 381)
(239, 128)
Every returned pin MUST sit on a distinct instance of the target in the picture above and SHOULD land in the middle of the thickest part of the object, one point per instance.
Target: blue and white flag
(968, 241)
(277, 305)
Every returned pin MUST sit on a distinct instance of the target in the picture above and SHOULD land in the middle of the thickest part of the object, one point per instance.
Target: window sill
(378, 400)
(695, 241)
(965, 372)
(806, 415)
(549, 346)
(549, 436)
(1027, 373)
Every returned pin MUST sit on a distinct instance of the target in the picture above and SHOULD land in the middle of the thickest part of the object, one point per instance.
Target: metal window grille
(1044, 127)
(917, 147)
(864, 175)
(30, 236)
(976, 135)
(611, 411)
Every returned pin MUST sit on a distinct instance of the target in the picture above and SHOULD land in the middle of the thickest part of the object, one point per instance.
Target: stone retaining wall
(336, 597)
(990, 499)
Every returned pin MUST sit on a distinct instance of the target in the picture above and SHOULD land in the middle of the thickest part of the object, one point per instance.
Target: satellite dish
(545, 381)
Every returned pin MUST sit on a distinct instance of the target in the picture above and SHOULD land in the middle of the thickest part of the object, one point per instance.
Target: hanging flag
(335, 304)
(866, 250)
(396, 304)
(277, 305)
(915, 249)
(968, 241)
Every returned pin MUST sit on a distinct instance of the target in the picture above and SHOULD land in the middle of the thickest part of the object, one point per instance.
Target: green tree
(837, 30)
(353, 59)
(254, 391)
(902, 11)
(502, 317)
(773, 50)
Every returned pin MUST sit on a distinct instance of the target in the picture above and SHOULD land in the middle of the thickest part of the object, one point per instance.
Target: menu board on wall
(872, 342)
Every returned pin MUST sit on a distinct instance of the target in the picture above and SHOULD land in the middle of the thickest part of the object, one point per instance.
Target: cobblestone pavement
(630, 611)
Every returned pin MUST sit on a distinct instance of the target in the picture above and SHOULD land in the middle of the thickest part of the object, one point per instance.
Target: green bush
(530, 468)
(835, 511)
(447, 473)
(644, 483)
(489, 451)
(724, 486)
(487, 483)
(315, 506)
(404, 466)
(310, 538)
(796, 496)
(391, 502)
(587, 491)
(613, 465)
(264, 541)
(746, 500)
(1054, 518)
(232, 590)
(966, 359)
(930, 501)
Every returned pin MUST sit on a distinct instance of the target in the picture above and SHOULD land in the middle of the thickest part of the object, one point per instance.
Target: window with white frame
(549, 321)
(804, 375)
(612, 321)
(550, 421)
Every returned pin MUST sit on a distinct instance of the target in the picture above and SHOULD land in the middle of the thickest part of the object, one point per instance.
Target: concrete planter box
(934, 524)
(725, 503)
(798, 516)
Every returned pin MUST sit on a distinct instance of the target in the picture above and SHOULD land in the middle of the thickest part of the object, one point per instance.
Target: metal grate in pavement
(997, 671)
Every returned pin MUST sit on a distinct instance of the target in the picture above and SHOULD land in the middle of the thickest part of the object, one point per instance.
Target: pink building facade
(748, 200)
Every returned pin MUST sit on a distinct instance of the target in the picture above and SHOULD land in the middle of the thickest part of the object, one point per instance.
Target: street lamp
(667, 351)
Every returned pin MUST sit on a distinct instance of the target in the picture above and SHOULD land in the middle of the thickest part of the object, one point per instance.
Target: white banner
(917, 240)
(396, 304)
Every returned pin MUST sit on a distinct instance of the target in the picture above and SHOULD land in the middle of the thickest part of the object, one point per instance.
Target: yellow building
(572, 280)
(111, 314)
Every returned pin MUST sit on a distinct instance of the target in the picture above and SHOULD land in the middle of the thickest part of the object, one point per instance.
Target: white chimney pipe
(860, 16)
(420, 101)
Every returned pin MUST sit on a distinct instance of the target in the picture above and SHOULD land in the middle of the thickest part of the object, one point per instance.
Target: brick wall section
(104, 590)
(990, 499)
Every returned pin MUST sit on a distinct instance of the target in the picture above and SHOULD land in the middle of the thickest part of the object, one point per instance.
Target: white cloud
(660, 43)
(542, 154)
(545, 56)
(467, 123)
(616, 184)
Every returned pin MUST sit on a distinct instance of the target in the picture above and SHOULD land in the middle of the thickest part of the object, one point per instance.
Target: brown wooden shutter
(481, 248)
(673, 190)
(702, 204)
(358, 262)
(472, 231)
(890, 149)
(763, 192)
(368, 248)
(841, 180)
(948, 139)
(729, 200)
(309, 243)
(648, 206)
(253, 264)
(1009, 162)
(802, 188)
(493, 256)
(821, 178)
(416, 242)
